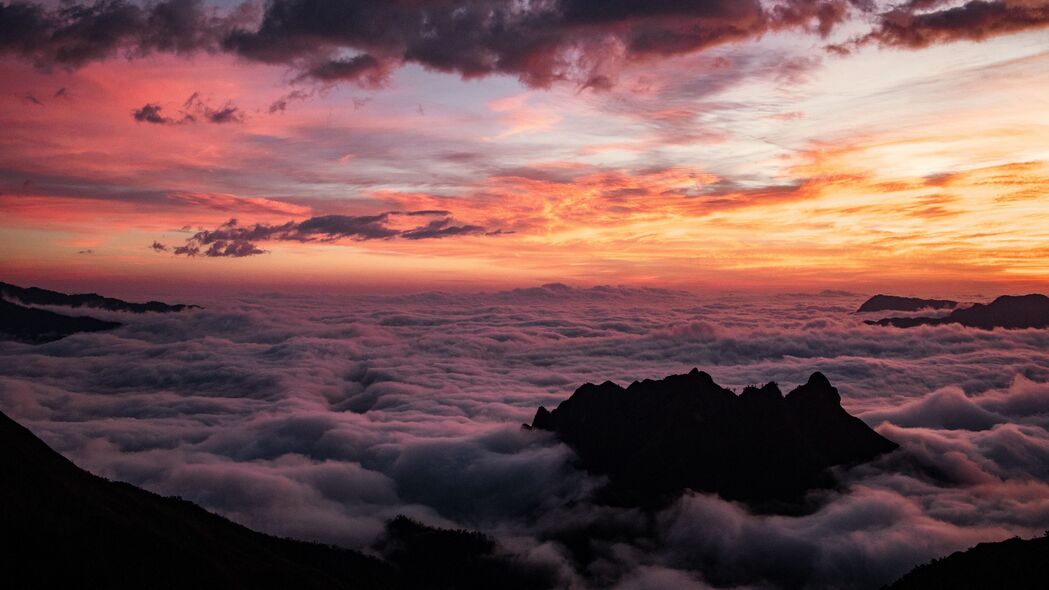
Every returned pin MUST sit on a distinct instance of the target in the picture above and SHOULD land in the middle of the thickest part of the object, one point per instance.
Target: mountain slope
(36, 326)
(64, 527)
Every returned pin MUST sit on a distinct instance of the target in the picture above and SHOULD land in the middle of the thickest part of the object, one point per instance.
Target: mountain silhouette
(37, 296)
(36, 326)
(1007, 311)
(655, 439)
(64, 527)
(894, 303)
(1016, 564)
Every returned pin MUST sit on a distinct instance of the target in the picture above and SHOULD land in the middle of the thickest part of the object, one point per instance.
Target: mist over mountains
(323, 418)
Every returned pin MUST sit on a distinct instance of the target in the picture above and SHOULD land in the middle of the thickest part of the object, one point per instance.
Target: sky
(456, 144)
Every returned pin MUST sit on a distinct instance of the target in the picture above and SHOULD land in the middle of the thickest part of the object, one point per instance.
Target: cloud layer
(539, 42)
(319, 417)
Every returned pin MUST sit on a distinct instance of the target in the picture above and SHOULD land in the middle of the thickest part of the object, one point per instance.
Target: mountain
(654, 439)
(894, 303)
(1015, 564)
(37, 296)
(64, 527)
(1007, 311)
(37, 326)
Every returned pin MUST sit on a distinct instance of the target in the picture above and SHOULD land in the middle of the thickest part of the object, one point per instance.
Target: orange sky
(765, 163)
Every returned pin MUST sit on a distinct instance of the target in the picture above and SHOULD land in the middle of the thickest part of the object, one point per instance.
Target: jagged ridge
(655, 439)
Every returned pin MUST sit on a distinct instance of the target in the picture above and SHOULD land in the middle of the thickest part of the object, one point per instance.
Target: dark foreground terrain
(1015, 564)
(66, 528)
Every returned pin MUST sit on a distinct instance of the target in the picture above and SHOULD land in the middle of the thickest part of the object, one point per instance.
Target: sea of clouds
(322, 417)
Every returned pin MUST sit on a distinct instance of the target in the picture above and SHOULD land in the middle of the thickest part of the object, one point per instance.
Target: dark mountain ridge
(655, 439)
(64, 527)
(37, 326)
(1017, 564)
(1011, 312)
(37, 296)
(895, 303)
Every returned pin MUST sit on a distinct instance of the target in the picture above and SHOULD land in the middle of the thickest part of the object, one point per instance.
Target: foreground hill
(655, 439)
(37, 296)
(36, 326)
(64, 527)
(895, 303)
(1007, 311)
(1015, 564)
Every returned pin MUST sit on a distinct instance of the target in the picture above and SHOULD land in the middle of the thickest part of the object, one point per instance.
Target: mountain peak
(656, 439)
(818, 379)
(816, 392)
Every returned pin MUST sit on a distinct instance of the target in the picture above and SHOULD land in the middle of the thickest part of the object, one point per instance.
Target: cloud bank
(320, 417)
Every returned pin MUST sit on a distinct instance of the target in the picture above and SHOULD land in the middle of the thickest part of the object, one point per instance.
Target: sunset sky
(451, 144)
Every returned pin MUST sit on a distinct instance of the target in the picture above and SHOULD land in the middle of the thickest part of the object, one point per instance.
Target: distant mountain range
(1015, 564)
(37, 326)
(655, 439)
(37, 296)
(66, 528)
(1007, 311)
(895, 303)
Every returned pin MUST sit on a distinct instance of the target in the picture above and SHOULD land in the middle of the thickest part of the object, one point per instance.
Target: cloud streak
(193, 109)
(913, 26)
(235, 241)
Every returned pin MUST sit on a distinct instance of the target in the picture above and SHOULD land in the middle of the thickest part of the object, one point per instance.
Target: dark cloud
(150, 113)
(361, 41)
(539, 42)
(911, 26)
(442, 228)
(363, 69)
(281, 104)
(583, 41)
(226, 114)
(196, 107)
(193, 109)
(233, 240)
(74, 34)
